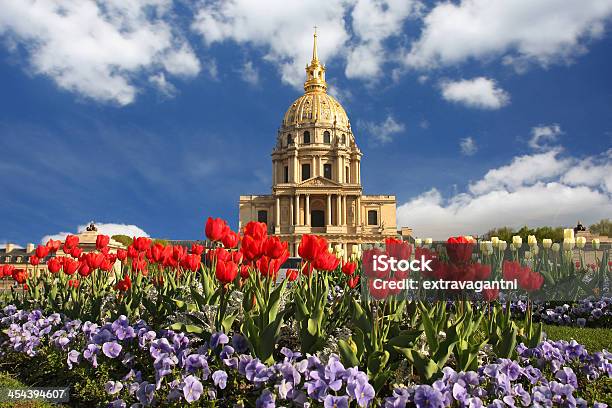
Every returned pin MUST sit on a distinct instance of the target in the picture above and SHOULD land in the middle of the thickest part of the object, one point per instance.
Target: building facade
(316, 176)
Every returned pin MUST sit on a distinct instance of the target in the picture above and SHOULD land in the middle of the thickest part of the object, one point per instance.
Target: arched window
(306, 137)
(289, 139)
(326, 137)
(372, 217)
(262, 216)
(343, 138)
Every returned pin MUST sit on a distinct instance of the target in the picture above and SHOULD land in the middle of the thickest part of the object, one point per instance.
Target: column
(291, 212)
(297, 210)
(328, 209)
(313, 166)
(358, 211)
(338, 209)
(296, 170)
(307, 210)
(277, 213)
(344, 210)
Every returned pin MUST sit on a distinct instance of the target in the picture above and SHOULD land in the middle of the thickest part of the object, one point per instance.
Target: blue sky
(151, 116)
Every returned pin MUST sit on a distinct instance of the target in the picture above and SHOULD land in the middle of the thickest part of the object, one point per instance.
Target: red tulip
(94, 260)
(54, 265)
(273, 247)
(245, 271)
(125, 284)
(268, 267)
(398, 249)
(107, 264)
(84, 269)
(215, 228)
(155, 253)
(140, 264)
(102, 241)
(251, 248)
(326, 261)
(352, 282)
(132, 252)
(378, 291)
(197, 249)
(70, 266)
(349, 268)
(121, 254)
(292, 274)
(54, 245)
(226, 272)
(230, 239)
(70, 242)
(311, 246)
(490, 294)
(76, 252)
(178, 252)
(141, 243)
(20, 276)
(237, 257)
(73, 283)
(42, 251)
(34, 260)
(191, 262)
(257, 230)
(8, 270)
(459, 249)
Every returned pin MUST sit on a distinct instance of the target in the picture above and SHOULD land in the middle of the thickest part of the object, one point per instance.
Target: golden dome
(316, 106)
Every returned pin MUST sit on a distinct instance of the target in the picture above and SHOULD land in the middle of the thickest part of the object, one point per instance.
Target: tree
(603, 227)
(124, 239)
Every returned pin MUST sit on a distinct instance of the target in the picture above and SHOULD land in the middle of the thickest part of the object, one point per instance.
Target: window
(262, 216)
(372, 217)
(327, 171)
(289, 140)
(326, 137)
(317, 218)
(346, 174)
(306, 137)
(305, 171)
(286, 175)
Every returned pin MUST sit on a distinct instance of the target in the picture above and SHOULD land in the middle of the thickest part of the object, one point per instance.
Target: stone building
(316, 176)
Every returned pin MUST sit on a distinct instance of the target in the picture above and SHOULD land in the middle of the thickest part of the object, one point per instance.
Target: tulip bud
(532, 240)
(428, 241)
(568, 244)
(568, 233)
(418, 242)
(494, 241)
(555, 247)
(517, 241)
(502, 245)
(547, 243)
(354, 249)
(580, 242)
(595, 243)
(486, 247)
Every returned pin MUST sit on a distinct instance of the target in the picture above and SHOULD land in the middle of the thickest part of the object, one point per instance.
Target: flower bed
(222, 329)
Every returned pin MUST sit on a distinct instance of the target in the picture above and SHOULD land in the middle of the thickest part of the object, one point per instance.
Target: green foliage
(124, 239)
(594, 339)
(506, 233)
(603, 227)
(9, 381)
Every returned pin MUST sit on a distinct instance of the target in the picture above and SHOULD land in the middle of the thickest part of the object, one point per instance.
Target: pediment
(318, 182)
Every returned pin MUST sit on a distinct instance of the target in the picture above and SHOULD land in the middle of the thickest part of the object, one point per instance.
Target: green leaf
(347, 354)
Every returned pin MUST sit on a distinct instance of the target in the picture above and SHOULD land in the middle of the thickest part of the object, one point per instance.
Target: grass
(594, 339)
(8, 381)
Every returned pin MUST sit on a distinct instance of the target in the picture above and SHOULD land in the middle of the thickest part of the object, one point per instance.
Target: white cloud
(97, 50)
(159, 80)
(480, 92)
(535, 190)
(373, 22)
(468, 146)
(284, 31)
(522, 31)
(109, 229)
(249, 73)
(544, 134)
(3, 244)
(383, 132)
